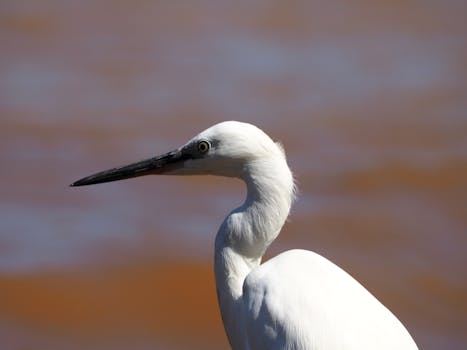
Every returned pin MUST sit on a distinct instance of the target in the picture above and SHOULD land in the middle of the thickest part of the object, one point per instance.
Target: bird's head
(225, 149)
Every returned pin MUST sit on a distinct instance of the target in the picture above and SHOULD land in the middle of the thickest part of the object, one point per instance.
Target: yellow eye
(203, 146)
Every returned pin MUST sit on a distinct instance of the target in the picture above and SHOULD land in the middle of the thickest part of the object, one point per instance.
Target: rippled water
(368, 98)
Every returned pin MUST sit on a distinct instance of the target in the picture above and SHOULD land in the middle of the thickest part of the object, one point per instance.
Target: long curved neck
(245, 235)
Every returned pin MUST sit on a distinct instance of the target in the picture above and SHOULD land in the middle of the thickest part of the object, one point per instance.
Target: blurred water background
(368, 97)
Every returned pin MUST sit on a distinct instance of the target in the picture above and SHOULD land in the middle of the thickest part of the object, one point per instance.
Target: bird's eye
(203, 146)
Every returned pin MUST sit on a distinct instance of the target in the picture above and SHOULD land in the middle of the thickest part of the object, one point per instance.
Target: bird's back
(300, 300)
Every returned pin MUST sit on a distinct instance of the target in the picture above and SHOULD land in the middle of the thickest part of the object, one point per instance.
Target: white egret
(296, 300)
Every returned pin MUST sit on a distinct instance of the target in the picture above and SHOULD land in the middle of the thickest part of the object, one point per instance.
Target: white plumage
(296, 300)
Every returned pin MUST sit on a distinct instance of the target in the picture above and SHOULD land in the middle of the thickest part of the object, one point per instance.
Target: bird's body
(296, 300)
(335, 312)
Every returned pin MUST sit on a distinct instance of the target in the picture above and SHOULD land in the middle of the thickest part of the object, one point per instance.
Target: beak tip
(78, 183)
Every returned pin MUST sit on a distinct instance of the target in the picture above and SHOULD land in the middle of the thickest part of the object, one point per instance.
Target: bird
(296, 300)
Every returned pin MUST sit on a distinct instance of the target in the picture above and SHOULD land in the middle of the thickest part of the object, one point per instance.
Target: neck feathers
(251, 228)
(246, 234)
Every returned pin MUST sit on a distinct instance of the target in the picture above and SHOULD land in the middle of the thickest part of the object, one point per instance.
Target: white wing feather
(300, 300)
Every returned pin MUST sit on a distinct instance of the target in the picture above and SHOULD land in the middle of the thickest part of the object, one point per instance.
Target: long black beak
(157, 165)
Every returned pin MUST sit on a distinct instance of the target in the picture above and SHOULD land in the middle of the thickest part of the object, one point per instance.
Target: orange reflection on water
(154, 301)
